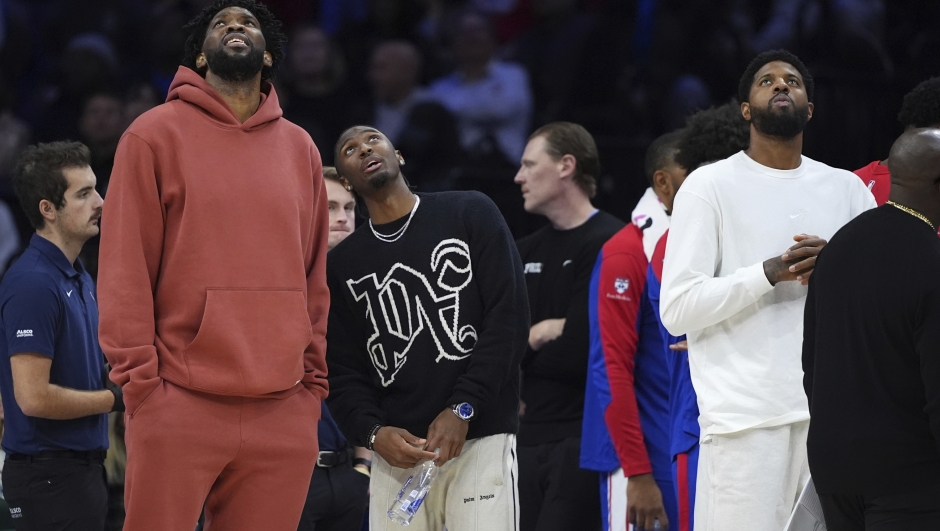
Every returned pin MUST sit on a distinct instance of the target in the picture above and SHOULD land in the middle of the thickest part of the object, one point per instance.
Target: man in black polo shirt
(52, 373)
(871, 355)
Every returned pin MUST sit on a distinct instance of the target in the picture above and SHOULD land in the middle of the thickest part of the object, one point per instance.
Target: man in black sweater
(557, 177)
(428, 324)
(871, 355)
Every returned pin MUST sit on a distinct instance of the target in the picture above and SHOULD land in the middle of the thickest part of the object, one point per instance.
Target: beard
(235, 68)
(378, 181)
(786, 123)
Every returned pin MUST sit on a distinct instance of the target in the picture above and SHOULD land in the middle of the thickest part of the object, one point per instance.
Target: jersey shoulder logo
(532, 267)
(621, 285)
(24, 333)
(399, 317)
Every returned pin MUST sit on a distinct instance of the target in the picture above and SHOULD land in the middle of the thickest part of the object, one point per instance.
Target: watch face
(465, 410)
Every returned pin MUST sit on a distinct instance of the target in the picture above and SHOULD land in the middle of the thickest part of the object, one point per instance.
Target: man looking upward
(428, 324)
(213, 288)
(732, 284)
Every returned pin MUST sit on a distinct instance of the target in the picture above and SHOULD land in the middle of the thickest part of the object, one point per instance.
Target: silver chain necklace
(393, 237)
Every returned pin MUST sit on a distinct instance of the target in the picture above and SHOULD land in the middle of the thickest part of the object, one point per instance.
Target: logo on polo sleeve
(24, 333)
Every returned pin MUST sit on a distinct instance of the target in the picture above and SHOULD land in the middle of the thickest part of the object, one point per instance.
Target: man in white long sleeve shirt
(731, 284)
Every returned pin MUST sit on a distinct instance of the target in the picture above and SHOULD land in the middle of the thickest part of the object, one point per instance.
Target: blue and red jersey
(683, 406)
(626, 413)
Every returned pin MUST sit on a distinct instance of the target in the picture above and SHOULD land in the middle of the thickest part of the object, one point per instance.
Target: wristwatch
(464, 411)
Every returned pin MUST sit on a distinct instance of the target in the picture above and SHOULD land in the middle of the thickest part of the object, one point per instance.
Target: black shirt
(436, 318)
(871, 357)
(558, 266)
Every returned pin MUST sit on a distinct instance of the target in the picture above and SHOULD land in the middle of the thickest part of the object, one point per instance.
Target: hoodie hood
(190, 87)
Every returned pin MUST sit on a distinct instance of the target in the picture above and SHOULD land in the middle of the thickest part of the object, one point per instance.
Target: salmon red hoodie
(213, 251)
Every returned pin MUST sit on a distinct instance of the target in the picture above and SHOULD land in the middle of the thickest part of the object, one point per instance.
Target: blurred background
(459, 84)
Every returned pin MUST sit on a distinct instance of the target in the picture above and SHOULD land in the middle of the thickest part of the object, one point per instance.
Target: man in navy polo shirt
(52, 374)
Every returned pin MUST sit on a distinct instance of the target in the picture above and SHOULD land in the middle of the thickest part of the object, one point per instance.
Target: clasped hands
(797, 262)
(401, 449)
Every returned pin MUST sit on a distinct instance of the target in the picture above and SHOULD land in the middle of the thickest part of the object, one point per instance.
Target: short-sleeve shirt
(48, 307)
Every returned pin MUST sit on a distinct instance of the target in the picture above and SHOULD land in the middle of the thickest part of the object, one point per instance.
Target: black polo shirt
(48, 307)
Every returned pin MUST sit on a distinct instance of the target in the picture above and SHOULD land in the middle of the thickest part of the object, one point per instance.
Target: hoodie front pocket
(251, 341)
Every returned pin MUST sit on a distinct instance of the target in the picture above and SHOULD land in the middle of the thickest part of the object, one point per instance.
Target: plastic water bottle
(412, 493)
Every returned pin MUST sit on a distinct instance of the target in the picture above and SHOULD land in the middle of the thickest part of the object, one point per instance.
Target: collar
(56, 256)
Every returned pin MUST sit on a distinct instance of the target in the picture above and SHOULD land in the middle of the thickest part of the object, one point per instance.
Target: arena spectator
(871, 356)
(490, 98)
(416, 124)
(720, 288)
(315, 92)
(88, 65)
(558, 179)
(222, 199)
(100, 126)
(441, 272)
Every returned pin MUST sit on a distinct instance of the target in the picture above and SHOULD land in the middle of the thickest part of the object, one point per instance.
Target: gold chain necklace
(912, 212)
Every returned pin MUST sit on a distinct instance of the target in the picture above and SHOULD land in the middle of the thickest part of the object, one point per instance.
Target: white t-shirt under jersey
(745, 336)
(650, 215)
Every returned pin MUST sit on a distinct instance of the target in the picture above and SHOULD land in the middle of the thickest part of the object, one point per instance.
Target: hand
(449, 433)
(545, 331)
(645, 503)
(400, 448)
(797, 262)
(681, 345)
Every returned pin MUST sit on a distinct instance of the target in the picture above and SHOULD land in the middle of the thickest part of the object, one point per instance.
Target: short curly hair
(747, 79)
(272, 29)
(921, 107)
(713, 134)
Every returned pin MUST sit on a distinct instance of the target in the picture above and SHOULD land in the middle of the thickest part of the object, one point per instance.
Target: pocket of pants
(64, 490)
(250, 343)
(146, 400)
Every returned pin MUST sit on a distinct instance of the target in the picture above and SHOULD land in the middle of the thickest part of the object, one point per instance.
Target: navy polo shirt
(48, 307)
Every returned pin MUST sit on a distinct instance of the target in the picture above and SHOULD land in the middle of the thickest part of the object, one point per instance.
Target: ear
(401, 160)
(268, 59)
(811, 107)
(345, 184)
(567, 165)
(48, 210)
(201, 61)
(662, 185)
(746, 110)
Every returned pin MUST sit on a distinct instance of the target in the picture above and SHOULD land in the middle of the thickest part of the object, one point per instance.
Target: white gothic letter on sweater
(399, 317)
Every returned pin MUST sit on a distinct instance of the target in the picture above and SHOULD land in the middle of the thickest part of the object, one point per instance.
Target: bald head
(393, 70)
(914, 161)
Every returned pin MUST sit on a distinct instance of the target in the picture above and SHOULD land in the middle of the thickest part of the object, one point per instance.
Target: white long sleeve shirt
(745, 335)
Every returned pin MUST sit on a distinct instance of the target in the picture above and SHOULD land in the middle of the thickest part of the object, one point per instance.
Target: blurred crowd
(459, 84)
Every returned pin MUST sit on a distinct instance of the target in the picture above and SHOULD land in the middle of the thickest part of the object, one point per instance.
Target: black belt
(331, 459)
(45, 455)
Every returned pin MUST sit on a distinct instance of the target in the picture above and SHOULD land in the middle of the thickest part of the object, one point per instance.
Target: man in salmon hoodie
(213, 290)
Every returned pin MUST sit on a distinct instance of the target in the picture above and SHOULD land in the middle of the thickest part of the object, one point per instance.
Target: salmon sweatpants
(248, 461)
